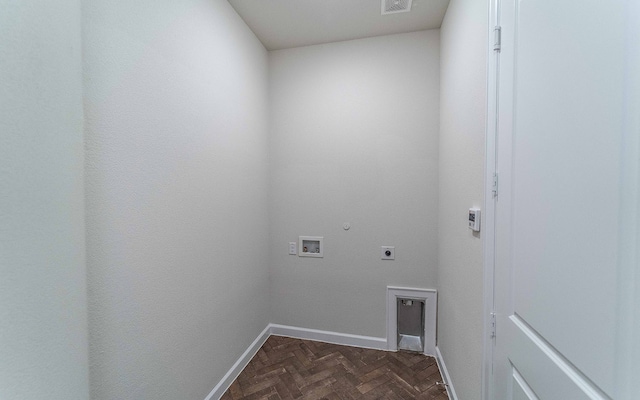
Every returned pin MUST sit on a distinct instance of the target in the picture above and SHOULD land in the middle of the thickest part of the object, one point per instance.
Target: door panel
(565, 174)
(547, 371)
(562, 132)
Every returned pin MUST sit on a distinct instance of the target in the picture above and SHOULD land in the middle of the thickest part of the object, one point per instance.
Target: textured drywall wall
(176, 131)
(354, 138)
(43, 322)
(462, 144)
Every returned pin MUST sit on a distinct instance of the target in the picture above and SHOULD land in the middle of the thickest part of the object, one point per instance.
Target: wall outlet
(388, 253)
(292, 248)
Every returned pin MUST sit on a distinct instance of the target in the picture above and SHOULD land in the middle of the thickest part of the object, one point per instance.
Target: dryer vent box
(411, 313)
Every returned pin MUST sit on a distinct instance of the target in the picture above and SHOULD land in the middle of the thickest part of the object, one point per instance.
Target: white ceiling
(281, 24)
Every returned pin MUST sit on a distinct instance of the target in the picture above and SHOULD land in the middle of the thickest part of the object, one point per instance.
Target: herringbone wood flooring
(286, 368)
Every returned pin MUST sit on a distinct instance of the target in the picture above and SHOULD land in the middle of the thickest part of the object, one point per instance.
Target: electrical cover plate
(388, 253)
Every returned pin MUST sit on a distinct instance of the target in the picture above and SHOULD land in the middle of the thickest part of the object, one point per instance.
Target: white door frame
(489, 203)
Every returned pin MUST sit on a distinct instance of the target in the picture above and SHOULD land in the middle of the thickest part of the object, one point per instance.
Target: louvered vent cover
(395, 6)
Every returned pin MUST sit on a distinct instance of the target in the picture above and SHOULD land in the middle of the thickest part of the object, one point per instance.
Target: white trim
(430, 297)
(628, 320)
(524, 386)
(488, 222)
(446, 378)
(345, 339)
(239, 365)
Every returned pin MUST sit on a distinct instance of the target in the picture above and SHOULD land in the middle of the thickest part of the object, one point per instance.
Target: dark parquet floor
(286, 368)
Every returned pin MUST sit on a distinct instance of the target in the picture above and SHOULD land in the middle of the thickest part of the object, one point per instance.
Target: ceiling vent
(395, 6)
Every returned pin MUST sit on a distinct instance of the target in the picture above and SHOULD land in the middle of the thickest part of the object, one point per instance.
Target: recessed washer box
(310, 246)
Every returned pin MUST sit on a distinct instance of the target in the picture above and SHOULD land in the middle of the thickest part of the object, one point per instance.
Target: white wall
(176, 105)
(354, 138)
(462, 142)
(43, 322)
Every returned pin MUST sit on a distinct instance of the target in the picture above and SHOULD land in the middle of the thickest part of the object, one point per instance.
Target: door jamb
(490, 200)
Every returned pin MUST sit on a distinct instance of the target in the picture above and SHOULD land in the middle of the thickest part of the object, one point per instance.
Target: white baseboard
(445, 375)
(239, 365)
(345, 339)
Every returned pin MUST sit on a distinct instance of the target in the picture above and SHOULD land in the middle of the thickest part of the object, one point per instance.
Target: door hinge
(497, 38)
(494, 186)
(493, 325)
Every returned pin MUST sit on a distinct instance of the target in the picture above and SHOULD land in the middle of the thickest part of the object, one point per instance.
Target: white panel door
(566, 216)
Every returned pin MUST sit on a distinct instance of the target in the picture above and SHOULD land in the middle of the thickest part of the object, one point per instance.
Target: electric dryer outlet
(388, 253)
